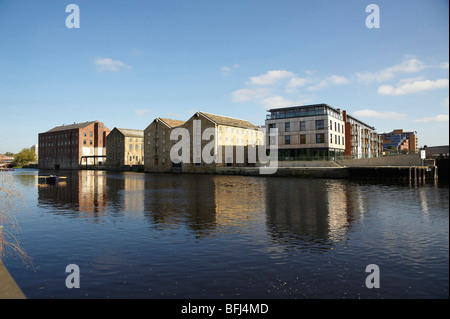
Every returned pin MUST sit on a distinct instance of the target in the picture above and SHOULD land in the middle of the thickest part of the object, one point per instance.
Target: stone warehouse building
(157, 144)
(320, 131)
(124, 147)
(69, 146)
(230, 139)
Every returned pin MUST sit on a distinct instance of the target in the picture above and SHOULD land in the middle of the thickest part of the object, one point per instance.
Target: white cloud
(107, 64)
(244, 95)
(225, 70)
(385, 115)
(409, 86)
(333, 79)
(336, 79)
(277, 101)
(437, 118)
(445, 103)
(444, 65)
(135, 52)
(141, 112)
(296, 82)
(271, 77)
(409, 66)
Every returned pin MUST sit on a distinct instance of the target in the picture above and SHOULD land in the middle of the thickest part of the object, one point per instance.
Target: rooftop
(130, 132)
(70, 126)
(228, 121)
(172, 123)
(303, 106)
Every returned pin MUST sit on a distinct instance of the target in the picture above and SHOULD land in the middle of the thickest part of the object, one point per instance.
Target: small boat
(52, 179)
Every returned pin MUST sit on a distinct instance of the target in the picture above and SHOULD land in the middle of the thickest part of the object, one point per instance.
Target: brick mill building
(74, 145)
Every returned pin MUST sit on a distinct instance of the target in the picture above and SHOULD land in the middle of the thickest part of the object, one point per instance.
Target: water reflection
(315, 213)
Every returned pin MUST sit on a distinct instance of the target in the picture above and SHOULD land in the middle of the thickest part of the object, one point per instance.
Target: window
(320, 138)
(302, 139)
(302, 126)
(287, 139)
(331, 138)
(331, 125)
(272, 126)
(90, 134)
(84, 142)
(136, 147)
(131, 147)
(319, 125)
(90, 142)
(287, 127)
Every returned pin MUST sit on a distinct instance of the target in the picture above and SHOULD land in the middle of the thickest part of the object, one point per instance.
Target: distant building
(6, 160)
(320, 131)
(69, 146)
(125, 147)
(436, 151)
(35, 149)
(401, 140)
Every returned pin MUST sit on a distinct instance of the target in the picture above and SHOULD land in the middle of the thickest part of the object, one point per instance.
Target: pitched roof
(130, 132)
(172, 123)
(70, 127)
(228, 121)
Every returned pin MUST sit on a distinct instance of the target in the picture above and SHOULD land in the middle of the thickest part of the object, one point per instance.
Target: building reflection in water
(313, 213)
(291, 211)
(81, 192)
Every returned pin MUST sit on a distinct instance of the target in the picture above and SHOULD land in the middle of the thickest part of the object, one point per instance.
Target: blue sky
(132, 61)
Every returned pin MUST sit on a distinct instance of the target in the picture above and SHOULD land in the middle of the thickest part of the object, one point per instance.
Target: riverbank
(8, 286)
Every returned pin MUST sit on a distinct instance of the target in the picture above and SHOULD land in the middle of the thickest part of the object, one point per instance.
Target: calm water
(136, 235)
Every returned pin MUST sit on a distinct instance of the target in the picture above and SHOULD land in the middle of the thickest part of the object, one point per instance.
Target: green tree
(24, 157)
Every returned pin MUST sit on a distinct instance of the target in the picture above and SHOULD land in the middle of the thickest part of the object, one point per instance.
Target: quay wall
(396, 173)
(394, 160)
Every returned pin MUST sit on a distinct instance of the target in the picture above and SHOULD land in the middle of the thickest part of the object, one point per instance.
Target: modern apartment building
(230, 138)
(124, 147)
(309, 131)
(401, 140)
(320, 131)
(69, 146)
(361, 140)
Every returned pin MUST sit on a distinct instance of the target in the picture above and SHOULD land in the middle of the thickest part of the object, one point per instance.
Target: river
(142, 235)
